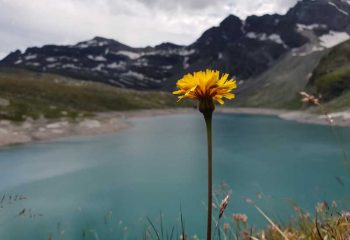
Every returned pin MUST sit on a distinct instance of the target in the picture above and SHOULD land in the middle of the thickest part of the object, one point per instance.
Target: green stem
(208, 121)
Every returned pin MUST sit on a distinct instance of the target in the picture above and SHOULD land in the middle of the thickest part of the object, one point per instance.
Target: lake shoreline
(340, 119)
(43, 130)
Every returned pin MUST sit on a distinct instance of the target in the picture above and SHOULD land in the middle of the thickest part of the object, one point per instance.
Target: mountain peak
(230, 29)
(98, 38)
(231, 20)
(167, 46)
(333, 13)
(101, 42)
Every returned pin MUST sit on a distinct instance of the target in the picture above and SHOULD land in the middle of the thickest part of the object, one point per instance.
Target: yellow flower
(206, 85)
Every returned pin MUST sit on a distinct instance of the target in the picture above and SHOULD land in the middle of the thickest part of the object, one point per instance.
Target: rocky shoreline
(341, 119)
(12, 133)
(103, 123)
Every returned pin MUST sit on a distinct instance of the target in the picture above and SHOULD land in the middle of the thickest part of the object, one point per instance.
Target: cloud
(25, 23)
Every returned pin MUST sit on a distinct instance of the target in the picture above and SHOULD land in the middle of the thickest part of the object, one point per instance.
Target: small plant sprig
(312, 100)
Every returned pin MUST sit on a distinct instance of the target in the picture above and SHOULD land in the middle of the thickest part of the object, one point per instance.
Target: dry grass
(36, 95)
(327, 223)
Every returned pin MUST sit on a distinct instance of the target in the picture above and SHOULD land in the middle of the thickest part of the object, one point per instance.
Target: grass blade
(153, 227)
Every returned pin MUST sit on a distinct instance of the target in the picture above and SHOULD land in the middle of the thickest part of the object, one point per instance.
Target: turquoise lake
(104, 187)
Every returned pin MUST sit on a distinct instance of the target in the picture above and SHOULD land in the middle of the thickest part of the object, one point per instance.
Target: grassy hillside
(331, 78)
(29, 94)
(337, 104)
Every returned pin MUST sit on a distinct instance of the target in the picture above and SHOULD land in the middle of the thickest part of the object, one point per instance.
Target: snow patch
(317, 48)
(167, 67)
(264, 37)
(97, 58)
(339, 9)
(51, 59)
(72, 66)
(333, 38)
(309, 76)
(53, 65)
(220, 55)
(30, 57)
(276, 38)
(328, 40)
(18, 61)
(302, 27)
(131, 55)
(100, 44)
(91, 43)
(98, 67)
(119, 66)
(252, 35)
(346, 1)
(181, 51)
(185, 52)
(185, 63)
(141, 62)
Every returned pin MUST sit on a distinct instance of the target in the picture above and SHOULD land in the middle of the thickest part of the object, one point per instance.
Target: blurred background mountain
(273, 57)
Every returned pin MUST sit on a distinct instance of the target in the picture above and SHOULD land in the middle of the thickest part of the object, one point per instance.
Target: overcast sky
(139, 23)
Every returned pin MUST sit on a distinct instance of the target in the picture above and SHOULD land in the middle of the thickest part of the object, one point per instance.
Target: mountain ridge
(246, 49)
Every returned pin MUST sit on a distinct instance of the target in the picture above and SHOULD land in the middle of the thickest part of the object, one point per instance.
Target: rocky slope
(262, 51)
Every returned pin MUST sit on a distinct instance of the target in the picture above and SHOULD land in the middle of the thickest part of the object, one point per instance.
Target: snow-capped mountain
(105, 60)
(245, 49)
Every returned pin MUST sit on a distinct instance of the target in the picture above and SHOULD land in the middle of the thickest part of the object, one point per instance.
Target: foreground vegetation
(29, 94)
(328, 223)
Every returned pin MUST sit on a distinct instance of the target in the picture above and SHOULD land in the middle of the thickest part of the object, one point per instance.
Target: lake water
(104, 187)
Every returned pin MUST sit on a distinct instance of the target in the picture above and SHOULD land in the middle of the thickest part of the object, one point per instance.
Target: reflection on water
(105, 186)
